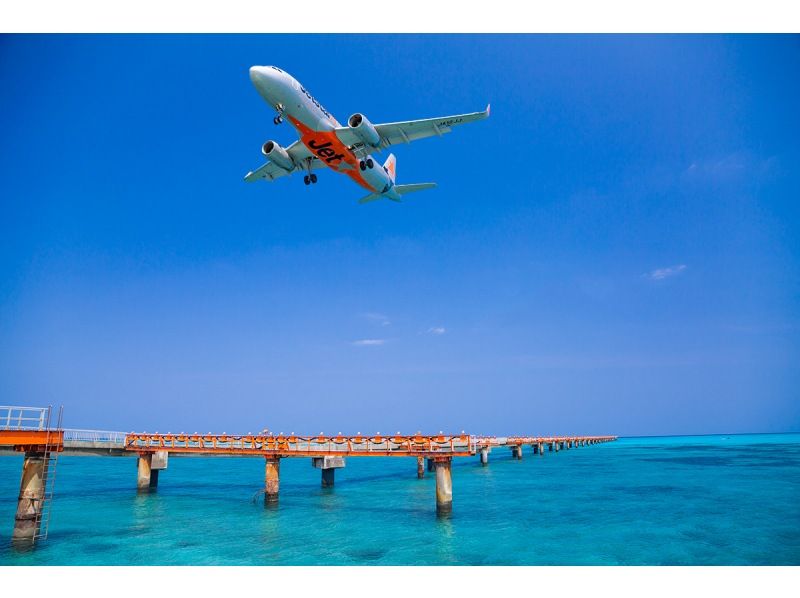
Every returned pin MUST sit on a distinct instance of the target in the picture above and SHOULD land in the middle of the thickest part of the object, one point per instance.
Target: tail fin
(391, 166)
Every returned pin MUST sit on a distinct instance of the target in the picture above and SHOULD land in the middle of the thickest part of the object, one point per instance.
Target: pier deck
(28, 430)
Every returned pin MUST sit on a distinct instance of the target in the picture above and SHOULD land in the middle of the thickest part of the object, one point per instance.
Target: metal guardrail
(95, 436)
(23, 418)
(460, 445)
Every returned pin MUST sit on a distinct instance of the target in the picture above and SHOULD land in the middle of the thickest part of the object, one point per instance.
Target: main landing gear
(364, 164)
(310, 179)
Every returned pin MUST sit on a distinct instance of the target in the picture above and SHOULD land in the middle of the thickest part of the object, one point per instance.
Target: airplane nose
(257, 73)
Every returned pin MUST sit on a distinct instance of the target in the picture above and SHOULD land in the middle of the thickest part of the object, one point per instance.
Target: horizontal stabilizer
(398, 190)
(370, 197)
(413, 188)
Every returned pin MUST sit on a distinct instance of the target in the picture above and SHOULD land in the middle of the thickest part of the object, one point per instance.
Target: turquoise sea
(706, 500)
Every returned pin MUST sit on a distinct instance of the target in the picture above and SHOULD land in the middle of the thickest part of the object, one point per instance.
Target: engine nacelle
(278, 155)
(364, 129)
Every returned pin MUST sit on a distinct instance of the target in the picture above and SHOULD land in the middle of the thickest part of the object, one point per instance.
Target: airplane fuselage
(316, 127)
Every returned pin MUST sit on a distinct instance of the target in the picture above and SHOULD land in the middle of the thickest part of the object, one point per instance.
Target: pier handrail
(292, 445)
(98, 436)
(14, 417)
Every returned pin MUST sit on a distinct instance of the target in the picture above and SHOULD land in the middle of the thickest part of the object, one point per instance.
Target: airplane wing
(408, 131)
(271, 171)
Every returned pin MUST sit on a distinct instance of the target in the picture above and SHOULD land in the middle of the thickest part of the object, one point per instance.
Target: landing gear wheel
(306, 179)
(370, 163)
(313, 178)
(362, 165)
(277, 120)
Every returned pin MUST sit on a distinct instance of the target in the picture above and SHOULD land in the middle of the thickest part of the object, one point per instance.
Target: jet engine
(364, 129)
(278, 155)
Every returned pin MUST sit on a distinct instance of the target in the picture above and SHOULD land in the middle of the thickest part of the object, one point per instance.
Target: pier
(31, 431)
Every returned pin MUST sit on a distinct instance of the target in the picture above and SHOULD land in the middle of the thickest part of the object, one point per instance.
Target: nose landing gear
(279, 118)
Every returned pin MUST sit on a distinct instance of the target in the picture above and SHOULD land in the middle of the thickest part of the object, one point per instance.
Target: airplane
(324, 142)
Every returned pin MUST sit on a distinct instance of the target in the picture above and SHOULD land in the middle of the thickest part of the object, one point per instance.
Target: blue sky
(615, 250)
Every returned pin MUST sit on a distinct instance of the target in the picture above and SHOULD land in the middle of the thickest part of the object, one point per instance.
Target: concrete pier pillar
(146, 475)
(328, 465)
(430, 465)
(552, 446)
(444, 486)
(272, 480)
(420, 467)
(535, 449)
(516, 452)
(485, 456)
(541, 449)
(31, 496)
(557, 446)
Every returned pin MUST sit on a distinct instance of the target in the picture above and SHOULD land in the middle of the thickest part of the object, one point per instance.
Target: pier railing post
(272, 479)
(444, 485)
(31, 496)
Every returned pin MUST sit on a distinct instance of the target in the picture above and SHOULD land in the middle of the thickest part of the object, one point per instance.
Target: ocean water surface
(708, 500)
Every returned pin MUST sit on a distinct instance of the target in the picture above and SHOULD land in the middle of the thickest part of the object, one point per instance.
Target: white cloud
(377, 318)
(662, 273)
(437, 330)
(369, 342)
(732, 167)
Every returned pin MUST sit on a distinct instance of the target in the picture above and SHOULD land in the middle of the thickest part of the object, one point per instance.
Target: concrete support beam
(328, 465)
(146, 476)
(420, 467)
(159, 460)
(272, 480)
(31, 497)
(485, 456)
(444, 486)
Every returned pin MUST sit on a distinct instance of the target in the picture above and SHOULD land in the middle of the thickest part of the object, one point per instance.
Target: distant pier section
(33, 432)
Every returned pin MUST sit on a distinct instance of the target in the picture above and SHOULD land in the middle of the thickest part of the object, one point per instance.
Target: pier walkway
(30, 431)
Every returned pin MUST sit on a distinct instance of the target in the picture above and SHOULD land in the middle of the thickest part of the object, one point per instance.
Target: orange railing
(291, 445)
(490, 441)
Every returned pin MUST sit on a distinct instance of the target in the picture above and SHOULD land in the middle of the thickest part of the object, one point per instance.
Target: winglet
(488, 109)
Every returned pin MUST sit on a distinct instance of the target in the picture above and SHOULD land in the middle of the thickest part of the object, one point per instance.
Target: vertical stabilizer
(391, 166)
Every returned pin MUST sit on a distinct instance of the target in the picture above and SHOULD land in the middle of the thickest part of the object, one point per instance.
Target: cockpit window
(277, 69)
